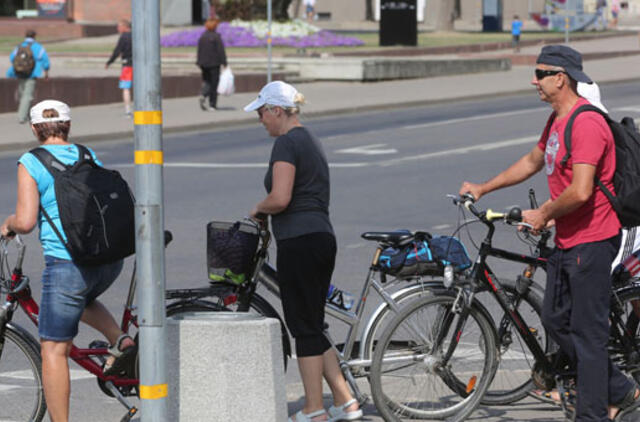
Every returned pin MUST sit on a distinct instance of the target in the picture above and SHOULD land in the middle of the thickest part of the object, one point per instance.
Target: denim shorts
(66, 290)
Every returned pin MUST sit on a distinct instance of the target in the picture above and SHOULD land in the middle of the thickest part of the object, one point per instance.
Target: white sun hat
(64, 112)
(275, 93)
(591, 92)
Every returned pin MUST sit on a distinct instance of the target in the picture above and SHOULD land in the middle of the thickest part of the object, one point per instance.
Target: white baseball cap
(64, 112)
(591, 93)
(275, 93)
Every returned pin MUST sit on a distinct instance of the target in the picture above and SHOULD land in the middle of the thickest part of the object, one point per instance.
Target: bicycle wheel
(259, 305)
(624, 339)
(21, 393)
(512, 381)
(409, 377)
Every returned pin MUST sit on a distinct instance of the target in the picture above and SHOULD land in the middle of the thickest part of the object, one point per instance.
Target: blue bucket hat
(565, 57)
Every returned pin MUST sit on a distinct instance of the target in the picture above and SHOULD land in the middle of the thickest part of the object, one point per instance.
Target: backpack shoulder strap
(84, 153)
(49, 161)
(54, 167)
(568, 128)
(547, 127)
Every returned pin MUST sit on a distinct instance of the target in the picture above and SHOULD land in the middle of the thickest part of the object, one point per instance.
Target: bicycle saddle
(398, 237)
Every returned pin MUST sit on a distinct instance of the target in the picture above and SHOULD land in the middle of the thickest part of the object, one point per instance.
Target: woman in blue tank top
(69, 291)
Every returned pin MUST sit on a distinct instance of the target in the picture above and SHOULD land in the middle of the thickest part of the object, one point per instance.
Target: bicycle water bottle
(344, 300)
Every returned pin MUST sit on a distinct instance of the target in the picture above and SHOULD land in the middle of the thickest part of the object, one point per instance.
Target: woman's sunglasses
(541, 74)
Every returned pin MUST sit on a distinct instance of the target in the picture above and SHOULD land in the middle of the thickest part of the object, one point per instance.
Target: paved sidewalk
(108, 122)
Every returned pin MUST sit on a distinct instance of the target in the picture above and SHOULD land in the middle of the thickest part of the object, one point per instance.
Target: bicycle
(22, 397)
(445, 316)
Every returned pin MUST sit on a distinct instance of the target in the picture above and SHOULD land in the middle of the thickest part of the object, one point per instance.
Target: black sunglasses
(541, 74)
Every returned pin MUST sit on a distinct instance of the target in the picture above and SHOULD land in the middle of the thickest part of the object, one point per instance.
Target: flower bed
(237, 33)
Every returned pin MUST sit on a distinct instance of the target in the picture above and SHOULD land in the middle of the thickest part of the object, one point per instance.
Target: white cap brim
(254, 105)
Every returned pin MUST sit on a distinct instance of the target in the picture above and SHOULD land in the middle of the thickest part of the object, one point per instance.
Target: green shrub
(228, 10)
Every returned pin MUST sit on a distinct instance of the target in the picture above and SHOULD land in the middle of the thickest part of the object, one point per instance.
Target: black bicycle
(430, 337)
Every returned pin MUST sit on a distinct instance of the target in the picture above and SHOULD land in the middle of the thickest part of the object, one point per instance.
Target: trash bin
(491, 15)
(398, 22)
(225, 366)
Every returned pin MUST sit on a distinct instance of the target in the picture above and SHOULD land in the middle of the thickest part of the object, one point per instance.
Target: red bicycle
(21, 391)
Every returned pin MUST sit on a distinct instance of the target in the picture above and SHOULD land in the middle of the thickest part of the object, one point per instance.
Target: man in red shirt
(576, 303)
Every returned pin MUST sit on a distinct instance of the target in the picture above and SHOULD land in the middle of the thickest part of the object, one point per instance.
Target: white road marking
(489, 146)
(478, 117)
(635, 109)
(442, 227)
(464, 150)
(375, 149)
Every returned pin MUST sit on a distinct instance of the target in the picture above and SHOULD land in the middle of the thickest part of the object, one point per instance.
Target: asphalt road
(389, 170)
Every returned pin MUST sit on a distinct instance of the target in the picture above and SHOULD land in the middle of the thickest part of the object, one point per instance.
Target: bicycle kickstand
(131, 410)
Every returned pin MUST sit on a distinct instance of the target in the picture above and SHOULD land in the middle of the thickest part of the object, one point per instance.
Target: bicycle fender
(25, 334)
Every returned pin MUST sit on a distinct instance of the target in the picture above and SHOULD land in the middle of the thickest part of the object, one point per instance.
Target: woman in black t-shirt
(297, 185)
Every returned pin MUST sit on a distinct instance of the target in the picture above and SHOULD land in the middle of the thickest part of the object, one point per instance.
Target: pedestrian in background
(297, 185)
(69, 290)
(124, 49)
(211, 56)
(29, 61)
(310, 9)
(575, 310)
(516, 29)
(615, 11)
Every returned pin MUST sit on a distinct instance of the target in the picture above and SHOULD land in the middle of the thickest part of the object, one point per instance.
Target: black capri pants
(305, 265)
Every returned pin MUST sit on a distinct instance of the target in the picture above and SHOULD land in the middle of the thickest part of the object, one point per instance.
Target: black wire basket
(231, 251)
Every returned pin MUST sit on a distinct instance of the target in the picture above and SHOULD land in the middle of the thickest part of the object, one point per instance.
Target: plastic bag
(225, 84)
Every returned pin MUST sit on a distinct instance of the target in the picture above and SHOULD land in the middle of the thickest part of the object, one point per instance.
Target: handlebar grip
(168, 237)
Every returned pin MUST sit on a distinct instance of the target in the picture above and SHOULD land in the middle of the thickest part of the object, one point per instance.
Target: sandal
(307, 417)
(124, 358)
(630, 403)
(339, 413)
(551, 396)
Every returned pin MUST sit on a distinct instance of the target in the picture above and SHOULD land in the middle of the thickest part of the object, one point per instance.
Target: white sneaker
(339, 414)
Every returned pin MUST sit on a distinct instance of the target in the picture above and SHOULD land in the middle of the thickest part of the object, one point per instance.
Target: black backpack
(626, 179)
(23, 61)
(96, 208)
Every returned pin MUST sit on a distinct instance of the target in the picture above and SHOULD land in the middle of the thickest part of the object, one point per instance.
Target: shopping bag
(225, 85)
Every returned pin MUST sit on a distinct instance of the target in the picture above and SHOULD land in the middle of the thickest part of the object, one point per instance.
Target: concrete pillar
(225, 366)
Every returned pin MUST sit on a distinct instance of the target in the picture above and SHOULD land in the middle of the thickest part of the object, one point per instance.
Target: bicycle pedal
(130, 414)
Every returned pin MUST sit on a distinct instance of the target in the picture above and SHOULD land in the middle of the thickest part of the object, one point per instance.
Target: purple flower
(235, 36)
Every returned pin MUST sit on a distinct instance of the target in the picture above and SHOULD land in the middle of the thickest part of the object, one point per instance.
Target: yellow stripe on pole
(148, 157)
(147, 117)
(153, 392)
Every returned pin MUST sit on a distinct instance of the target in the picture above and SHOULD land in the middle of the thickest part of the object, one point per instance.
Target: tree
(368, 10)
(445, 12)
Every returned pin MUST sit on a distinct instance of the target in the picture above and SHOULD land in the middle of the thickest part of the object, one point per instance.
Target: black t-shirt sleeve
(284, 150)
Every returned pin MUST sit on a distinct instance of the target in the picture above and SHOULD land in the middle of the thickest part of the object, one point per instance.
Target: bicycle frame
(21, 296)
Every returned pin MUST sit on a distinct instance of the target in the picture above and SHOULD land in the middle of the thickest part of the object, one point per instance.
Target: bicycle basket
(231, 249)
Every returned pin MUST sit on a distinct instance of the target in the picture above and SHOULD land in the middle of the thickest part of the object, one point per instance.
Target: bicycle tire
(258, 304)
(513, 381)
(624, 351)
(455, 403)
(22, 397)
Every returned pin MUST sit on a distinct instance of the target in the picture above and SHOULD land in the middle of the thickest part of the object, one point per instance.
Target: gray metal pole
(148, 161)
(566, 22)
(269, 18)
